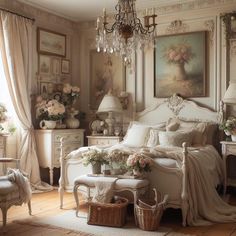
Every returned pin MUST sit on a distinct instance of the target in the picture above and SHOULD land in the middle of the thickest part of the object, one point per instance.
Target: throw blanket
(204, 172)
(104, 189)
(15, 175)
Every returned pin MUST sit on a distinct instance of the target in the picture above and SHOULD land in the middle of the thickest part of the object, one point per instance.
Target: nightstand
(103, 140)
(49, 146)
(228, 148)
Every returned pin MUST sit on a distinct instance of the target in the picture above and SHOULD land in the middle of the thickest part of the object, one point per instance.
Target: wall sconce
(229, 20)
(124, 100)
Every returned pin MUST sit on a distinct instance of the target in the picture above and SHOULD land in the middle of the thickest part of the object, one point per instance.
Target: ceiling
(83, 10)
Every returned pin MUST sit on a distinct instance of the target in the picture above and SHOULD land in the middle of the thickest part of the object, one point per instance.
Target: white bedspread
(204, 173)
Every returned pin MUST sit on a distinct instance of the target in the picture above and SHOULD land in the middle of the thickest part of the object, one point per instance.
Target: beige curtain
(16, 51)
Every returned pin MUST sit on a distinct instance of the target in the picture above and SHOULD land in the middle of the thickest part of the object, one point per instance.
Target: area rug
(68, 220)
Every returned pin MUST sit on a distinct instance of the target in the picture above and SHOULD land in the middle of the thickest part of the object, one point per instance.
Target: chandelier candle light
(128, 31)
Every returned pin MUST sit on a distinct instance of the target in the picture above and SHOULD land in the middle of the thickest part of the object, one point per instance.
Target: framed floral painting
(180, 65)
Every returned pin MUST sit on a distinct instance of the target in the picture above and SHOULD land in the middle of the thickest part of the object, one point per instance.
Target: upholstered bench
(135, 186)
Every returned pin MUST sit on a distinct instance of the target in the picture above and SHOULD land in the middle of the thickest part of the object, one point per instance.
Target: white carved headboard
(176, 106)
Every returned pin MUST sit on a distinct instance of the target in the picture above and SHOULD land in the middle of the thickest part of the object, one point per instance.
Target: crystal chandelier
(127, 32)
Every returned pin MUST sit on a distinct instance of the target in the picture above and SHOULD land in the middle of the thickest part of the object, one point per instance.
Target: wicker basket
(147, 216)
(108, 214)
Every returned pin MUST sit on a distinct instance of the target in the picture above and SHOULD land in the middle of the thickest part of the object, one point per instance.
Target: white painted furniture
(172, 181)
(228, 148)
(48, 146)
(9, 193)
(3, 140)
(103, 140)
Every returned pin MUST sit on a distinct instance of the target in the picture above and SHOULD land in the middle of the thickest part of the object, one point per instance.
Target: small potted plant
(139, 163)
(117, 161)
(229, 127)
(96, 158)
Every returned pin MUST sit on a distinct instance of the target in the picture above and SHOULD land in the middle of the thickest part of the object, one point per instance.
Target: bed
(189, 175)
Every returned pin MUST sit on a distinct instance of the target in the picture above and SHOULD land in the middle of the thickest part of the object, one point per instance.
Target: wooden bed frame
(175, 179)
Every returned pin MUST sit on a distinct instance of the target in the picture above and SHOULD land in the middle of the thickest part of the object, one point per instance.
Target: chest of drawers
(48, 146)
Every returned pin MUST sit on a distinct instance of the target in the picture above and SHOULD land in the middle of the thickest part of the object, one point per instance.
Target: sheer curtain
(16, 52)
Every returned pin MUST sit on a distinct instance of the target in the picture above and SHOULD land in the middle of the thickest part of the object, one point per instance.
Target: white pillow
(137, 135)
(153, 139)
(175, 138)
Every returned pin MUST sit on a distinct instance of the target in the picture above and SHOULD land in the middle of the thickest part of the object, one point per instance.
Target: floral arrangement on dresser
(3, 116)
(70, 94)
(139, 163)
(93, 156)
(49, 109)
(229, 127)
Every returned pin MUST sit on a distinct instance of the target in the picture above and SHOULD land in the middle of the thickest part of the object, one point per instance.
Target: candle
(153, 11)
(98, 22)
(146, 12)
(104, 14)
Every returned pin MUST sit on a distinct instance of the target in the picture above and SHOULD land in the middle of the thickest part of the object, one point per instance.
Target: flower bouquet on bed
(96, 158)
(139, 163)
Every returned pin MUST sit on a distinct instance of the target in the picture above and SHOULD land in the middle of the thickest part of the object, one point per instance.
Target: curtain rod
(17, 14)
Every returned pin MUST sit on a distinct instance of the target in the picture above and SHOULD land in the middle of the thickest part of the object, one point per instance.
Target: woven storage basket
(108, 214)
(147, 216)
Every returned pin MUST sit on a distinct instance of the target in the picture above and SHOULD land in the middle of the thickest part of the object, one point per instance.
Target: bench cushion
(89, 181)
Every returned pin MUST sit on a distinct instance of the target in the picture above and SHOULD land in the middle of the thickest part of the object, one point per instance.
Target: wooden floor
(46, 204)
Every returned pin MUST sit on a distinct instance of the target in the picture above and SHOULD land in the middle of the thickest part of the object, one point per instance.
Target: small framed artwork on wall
(51, 43)
(56, 66)
(65, 66)
(44, 65)
(180, 65)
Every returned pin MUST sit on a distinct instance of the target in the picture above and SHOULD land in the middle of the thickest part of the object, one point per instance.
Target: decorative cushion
(172, 124)
(175, 138)
(137, 135)
(153, 139)
(199, 130)
(119, 184)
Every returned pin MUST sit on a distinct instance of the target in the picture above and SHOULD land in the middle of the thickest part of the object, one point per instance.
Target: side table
(228, 148)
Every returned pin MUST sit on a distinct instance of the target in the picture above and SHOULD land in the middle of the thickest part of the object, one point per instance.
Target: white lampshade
(110, 103)
(230, 94)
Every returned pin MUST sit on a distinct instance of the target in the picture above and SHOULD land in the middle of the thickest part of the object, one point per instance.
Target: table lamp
(230, 94)
(110, 104)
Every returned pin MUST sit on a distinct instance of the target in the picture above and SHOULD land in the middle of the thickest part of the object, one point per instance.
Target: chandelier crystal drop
(127, 33)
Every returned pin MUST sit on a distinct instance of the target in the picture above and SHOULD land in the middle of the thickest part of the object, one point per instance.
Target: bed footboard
(71, 167)
(184, 194)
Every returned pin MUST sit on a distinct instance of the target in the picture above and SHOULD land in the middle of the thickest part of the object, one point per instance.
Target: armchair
(14, 190)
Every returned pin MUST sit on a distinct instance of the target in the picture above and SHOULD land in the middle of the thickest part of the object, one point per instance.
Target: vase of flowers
(116, 160)
(48, 112)
(96, 158)
(71, 121)
(179, 55)
(139, 163)
(69, 96)
(229, 127)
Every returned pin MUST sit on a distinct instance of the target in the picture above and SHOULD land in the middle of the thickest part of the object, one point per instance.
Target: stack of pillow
(171, 133)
